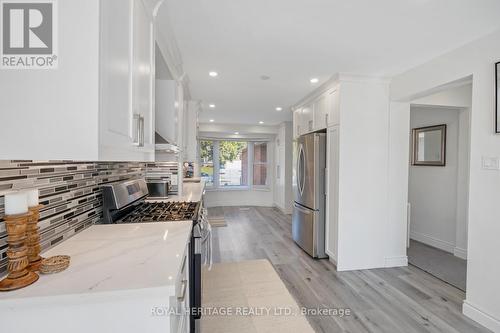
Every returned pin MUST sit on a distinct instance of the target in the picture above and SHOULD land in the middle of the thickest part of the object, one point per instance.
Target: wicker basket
(54, 264)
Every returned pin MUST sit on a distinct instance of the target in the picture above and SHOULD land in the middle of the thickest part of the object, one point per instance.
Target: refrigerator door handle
(300, 169)
(303, 210)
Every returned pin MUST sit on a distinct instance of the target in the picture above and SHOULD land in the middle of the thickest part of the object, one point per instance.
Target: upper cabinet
(190, 127)
(127, 76)
(143, 72)
(307, 119)
(317, 113)
(98, 104)
(320, 111)
(333, 108)
(296, 122)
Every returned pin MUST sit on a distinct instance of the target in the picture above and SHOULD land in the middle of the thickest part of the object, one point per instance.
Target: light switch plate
(491, 163)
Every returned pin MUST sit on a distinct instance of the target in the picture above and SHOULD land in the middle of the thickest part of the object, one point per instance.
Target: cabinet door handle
(326, 119)
(136, 134)
(141, 131)
(181, 297)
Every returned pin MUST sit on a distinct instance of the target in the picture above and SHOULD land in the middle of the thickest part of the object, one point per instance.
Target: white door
(142, 73)
(306, 119)
(116, 139)
(320, 109)
(332, 182)
(332, 108)
(297, 123)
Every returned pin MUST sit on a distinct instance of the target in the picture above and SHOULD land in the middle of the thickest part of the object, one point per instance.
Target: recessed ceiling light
(236, 133)
(314, 80)
(279, 108)
(211, 106)
(261, 122)
(211, 120)
(213, 73)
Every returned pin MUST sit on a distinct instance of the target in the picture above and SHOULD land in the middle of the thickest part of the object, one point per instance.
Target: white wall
(283, 195)
(460, 96)
(433, 191)
(477, 59)
(364, 178)
(46, 99)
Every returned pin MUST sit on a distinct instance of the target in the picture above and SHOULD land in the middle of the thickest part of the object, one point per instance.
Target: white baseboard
(481, 317)
(396, 261)
(432, 241)
(461, 253)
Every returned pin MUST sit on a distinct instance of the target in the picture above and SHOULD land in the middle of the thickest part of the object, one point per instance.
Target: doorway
(438, 183)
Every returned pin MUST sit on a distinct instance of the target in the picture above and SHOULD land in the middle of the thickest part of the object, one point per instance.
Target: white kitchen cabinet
(307, 119)
(126, 91)
(143, 73)
(332, 108)
(332, 183)
(320, 112)
(84, 110)
(296, 123)
(180, 323)
(192, 110)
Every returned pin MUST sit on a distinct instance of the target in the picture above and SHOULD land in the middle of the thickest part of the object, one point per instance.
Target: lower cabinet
(179, 322)
(332, 190)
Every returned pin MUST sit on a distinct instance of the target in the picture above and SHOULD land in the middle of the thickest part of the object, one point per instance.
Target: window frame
(250, 164)
(254, 163)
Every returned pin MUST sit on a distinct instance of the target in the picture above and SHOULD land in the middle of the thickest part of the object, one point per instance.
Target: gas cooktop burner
(162, 212)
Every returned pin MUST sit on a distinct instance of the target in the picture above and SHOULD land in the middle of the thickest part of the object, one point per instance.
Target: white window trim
(250, 187)
(266, 186)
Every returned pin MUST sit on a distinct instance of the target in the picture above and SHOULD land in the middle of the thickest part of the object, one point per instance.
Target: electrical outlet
(490, 163)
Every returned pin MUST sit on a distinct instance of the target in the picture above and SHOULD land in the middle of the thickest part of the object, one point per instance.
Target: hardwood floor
(399, 300)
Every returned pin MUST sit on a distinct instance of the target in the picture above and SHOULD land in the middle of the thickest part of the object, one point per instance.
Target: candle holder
(33, 239)
(17, 266)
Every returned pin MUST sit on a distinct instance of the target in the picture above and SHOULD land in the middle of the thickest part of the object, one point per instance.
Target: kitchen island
(123, 277)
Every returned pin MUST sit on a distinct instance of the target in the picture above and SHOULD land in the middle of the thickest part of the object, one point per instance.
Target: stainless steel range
(162, 212)
(125, 202)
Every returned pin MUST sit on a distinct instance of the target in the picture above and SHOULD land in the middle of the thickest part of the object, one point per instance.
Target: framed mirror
(429, 146)
(497, 97)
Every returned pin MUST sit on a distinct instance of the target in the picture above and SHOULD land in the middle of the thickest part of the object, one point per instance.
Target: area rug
(248, 296)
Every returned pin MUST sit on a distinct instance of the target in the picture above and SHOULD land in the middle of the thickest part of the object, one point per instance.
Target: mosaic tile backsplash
(70, 192)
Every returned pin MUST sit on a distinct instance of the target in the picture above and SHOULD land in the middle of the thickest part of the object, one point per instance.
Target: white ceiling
(294, 40)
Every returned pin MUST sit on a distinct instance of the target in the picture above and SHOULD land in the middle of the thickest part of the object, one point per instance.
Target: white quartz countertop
(115, 257)
(191, 192)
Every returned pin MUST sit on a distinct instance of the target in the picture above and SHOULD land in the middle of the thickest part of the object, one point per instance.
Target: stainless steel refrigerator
(308, 221)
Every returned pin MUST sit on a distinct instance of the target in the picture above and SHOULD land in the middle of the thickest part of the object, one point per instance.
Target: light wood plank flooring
(399, 300)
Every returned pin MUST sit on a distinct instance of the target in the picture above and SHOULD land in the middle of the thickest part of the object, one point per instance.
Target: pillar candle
(16, 203)
(32, 197)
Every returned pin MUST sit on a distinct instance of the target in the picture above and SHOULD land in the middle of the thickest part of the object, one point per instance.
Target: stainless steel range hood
(162, 145)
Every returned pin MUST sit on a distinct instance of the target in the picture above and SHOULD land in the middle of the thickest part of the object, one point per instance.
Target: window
(207, 162)
(260, 164)
(234, 164)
